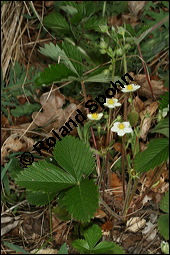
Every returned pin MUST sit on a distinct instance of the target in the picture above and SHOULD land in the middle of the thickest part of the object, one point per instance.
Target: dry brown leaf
(52, 110)
(107, 226)
(118, 147)
(116, 185)
(136, 6)
(13, 144)
(160, 185)
(49, 3)
(157, 86)
(146, 122)
(138, 104)
(99, 213)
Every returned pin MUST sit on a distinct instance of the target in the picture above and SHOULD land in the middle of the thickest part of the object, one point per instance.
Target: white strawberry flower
(95, 116)
(130, 88)
(112, 102)
(121, 128)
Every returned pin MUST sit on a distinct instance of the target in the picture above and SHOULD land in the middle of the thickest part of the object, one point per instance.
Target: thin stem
(104, 9)
(92, 132)
(146, 73)
(123, 164)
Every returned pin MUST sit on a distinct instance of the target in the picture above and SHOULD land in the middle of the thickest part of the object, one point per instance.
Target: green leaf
(163, 226)
(93, 235)
(82, 200)
(43, 176)
(16, 248)
(164, 205)
(63, 249)
(74, 56)
(25, 109)
(55, 52)
(164, 101)
(156, 153)
(61, 213)
(103, 247)
(40, 198)
(81, 245)
(54, 74)
(56, 22)
(74, 156)
(100, 78)
(162, 127)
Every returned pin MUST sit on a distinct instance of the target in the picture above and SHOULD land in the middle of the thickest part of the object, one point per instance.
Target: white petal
(126, 124)
(121, 132)
(118, 104)
(90, 116)
(114, 129)
(128, 130)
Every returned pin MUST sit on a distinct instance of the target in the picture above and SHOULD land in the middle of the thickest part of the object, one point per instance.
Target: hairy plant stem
(108, 127)
(123, 164)
(92, 132)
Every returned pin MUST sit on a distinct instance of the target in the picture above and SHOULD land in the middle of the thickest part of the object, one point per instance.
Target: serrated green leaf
(81, 245)
(156, 153)
(162, 127)
(164, 101)
(81, 201)
(55, 52)
(93, 235)
(163, 226)
(74, 156)
(43, 176)
(40, 198)
(164, 205)
(54, 74)
(25, 109)
(56, 22)
(103, 248)
(74, 56)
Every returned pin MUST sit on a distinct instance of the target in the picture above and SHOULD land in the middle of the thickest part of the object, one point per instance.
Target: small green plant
(91, 244)
(70, 180)
(163, 221)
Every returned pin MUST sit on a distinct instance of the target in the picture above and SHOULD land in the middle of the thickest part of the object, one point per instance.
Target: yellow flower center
(94, 115)
(121, 126)
(129, 87)
(110, 101)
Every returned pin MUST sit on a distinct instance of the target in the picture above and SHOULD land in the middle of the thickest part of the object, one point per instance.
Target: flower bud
(121, 30)
(104, 28)
(165, 247)
(119, 52)
(106, 72)
(103, 51)
(103, 45)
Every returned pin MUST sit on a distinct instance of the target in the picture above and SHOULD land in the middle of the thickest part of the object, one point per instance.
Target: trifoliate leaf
(156, 153)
